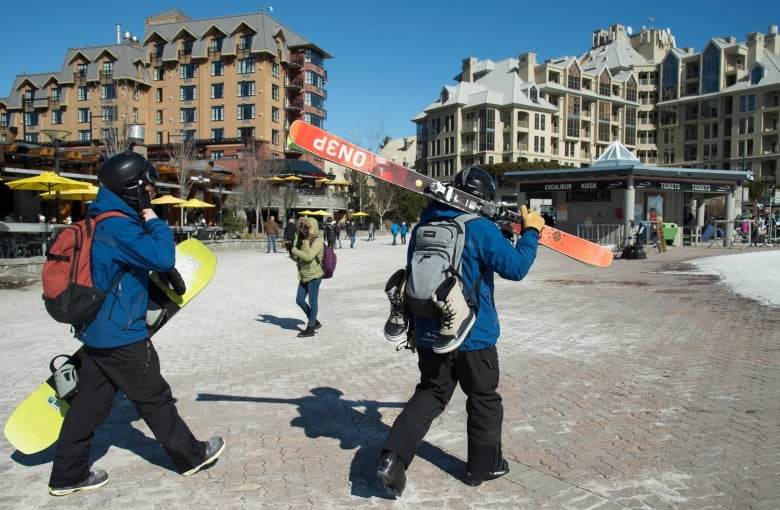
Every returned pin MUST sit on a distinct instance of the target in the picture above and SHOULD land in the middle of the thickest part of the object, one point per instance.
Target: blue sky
(390, 58)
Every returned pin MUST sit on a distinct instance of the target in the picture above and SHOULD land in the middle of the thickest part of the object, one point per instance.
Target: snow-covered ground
(755, 275)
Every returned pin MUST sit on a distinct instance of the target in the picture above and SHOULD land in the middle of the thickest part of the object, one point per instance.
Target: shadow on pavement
(356, 424)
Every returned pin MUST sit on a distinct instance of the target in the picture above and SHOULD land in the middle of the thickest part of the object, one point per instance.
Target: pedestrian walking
(118, 353)
(474, 365)
(290, 230)
(371, 228)
(308, 251)
(404, 230)
(395, 229)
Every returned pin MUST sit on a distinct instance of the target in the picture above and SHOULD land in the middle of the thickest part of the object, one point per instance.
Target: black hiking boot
(397, 322)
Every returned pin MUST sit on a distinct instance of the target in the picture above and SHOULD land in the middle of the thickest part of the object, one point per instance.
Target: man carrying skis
(118, 354)
(474, 365)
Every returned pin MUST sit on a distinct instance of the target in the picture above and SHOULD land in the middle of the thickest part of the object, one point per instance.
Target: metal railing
(602, 234)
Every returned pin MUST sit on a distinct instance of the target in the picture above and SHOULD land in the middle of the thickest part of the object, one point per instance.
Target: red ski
(314, 140)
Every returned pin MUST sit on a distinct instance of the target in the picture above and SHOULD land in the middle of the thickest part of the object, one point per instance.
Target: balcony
(106, 77)
(243, 52)
(215, 54)
(296, 104)
(80, 79)
(296, 83)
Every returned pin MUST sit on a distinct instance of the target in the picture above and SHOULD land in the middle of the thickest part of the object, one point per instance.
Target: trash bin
(670, 232)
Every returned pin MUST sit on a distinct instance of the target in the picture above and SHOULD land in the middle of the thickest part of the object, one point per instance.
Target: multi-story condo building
(716, 109)
(222, 81)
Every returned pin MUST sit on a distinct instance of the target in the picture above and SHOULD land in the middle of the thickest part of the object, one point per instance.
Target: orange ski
(316, 141)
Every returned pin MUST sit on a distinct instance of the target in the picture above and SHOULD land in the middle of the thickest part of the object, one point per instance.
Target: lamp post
(221, 174)
(56, 136)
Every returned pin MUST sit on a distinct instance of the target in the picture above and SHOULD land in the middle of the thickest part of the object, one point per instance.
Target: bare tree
(180, 156)
(255, 186)
(385, 198)
(117, 114)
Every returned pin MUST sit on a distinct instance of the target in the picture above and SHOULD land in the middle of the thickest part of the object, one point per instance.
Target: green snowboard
(35, 424)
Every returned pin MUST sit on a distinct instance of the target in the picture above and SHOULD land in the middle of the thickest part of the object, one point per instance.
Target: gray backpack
(437, 256)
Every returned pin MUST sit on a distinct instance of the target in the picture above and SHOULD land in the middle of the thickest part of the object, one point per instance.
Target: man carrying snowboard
(460, 347)
(118, 354)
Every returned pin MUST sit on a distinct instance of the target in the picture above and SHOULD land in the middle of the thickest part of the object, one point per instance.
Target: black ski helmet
(126, 175)
(477, 182)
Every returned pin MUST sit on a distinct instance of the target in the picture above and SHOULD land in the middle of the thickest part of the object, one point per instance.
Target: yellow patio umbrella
(47, 181)
(306, 212)
(359, 214)
(320, 212)
(167, 200)
(292, 178)
(324, 180)
(194, 203)
(88, 193)
(339, 182)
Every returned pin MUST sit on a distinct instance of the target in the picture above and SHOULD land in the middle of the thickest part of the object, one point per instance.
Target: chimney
(467, 75)
(755, 45)
(527, 66)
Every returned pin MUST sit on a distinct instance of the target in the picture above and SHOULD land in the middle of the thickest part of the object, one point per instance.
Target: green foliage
(498, 170)
(232, 223)
(410, 204)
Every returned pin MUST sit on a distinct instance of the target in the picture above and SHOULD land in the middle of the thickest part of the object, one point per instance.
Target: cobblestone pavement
(643, 385)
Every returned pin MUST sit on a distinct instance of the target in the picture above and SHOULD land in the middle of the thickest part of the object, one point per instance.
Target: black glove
(173, 280)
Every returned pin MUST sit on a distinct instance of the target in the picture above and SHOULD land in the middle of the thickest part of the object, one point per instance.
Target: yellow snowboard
(35, 424)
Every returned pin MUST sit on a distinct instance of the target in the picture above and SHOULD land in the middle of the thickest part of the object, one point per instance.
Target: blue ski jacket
(486, 251)
(124, 243)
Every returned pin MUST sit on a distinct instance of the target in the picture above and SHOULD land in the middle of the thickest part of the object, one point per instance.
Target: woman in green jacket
(307, 252)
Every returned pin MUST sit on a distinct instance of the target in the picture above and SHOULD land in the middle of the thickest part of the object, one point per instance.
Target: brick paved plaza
(644, 385)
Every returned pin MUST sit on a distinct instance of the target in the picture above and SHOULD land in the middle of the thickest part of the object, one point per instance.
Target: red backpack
(68, 292)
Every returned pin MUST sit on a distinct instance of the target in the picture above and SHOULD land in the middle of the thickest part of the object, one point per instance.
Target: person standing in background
(272, 233)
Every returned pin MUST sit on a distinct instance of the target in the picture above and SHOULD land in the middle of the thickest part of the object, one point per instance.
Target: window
(274, 114)
(82, 93)
(82, 115)
(81, 70)
(188, 71)
(134, 115)
(107, 113)
(757, 74)
(710, 70)
(56, 117)
(158, 95)
(56, 94)
(108, 69)
(246, 65)
(275, 136)
(539, 144)
(157, 50)
(245, 42)
(217, 90)
(275, 92)
(217, 68)
(186, 47)
(246, 111)
(188, 93)
(5, 119)
(216, 44)
(218, 133)
(84, 135)
(217, 154)
(275, 69)
(312, 78)
(747, 103)
(108, 91)
(315, 58)
(158, 74)
(158, 117)
(539, 121)
(217, 113)
(314, 120)
(317, 100)
(670, 77)
(574, 78)
(246, 88)
(188, 115)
